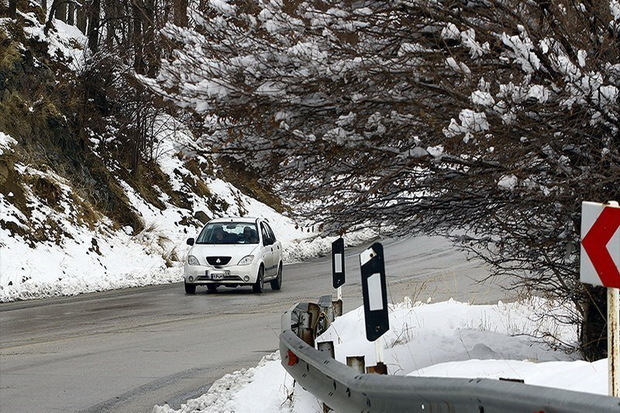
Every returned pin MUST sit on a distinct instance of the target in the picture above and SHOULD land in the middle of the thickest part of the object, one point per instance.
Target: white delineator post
(613, 340)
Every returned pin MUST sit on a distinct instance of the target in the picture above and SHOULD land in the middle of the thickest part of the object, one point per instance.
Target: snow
(74, 256)
(5, 142)
(65, 42)
(614, 5)
(471, 121)
(482, 98)
(222, 6)
(523, 53)
(508, 182)
(450, 32)
(446, 339)
(475, 49)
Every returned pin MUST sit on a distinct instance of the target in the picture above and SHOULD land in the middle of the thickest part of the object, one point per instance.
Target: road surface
(128, 350)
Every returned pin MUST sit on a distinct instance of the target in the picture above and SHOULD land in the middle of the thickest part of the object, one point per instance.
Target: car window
(265, 233)
(272, 236)
(268, 237)
(228, 233)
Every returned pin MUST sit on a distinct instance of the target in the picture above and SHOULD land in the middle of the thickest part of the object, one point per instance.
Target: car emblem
(217, 261)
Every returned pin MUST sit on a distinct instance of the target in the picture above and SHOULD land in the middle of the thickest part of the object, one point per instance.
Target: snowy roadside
(75, 257)
(446, 339)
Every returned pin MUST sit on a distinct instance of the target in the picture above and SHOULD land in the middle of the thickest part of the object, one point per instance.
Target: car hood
(236, 251)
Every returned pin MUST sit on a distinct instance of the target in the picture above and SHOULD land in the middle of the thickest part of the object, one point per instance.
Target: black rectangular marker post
(374, 291)
(338, 262)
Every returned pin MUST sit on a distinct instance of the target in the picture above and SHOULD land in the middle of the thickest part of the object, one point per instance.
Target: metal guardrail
(345, 390)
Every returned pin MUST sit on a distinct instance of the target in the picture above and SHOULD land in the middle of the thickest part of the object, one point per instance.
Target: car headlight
(191, 260)
(247, 260)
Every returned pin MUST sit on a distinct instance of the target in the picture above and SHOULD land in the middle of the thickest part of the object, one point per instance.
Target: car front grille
(218, 260)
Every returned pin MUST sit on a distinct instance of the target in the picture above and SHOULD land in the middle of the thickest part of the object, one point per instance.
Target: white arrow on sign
(600, 244)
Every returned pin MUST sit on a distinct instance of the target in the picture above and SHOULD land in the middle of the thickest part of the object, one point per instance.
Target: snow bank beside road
(446, 339)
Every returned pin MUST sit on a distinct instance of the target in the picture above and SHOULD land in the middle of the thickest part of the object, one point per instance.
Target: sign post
(375, 296)
(613, 341)
(600, 265)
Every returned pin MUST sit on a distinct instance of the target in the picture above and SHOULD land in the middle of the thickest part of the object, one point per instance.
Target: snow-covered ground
(86, 259)
(76, 257)
(446, 339)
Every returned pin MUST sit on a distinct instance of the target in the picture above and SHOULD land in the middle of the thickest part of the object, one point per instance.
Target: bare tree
(123, 41)
(489, 122)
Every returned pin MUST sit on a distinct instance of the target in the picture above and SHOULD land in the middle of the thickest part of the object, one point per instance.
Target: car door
(276, 248)
(267, 249)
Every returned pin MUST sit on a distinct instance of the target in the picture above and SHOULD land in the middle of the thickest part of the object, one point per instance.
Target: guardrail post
(314, 310)
(305, 331)
(337, 305)
(357, 362)
(380, 368)
(326, 347)
(326, 314)
(325, 302)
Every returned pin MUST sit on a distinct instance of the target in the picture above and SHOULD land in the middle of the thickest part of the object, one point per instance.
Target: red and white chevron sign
(600, 244)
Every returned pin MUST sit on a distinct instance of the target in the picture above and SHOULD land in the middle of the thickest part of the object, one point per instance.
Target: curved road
(128, 350)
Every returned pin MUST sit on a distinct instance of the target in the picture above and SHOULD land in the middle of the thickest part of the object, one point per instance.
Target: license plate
(217, 275)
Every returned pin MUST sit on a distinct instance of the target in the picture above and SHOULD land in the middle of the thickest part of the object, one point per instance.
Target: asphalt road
(128, 350)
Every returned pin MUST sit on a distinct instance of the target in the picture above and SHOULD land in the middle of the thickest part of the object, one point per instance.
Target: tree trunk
(138, 41)
(93, 25)
(52, 13)
(110, 12)
(136, 143)
(61, 10)
(151, 54)
(146, 53)
(12, 8)
(71, 14)
(82, 20)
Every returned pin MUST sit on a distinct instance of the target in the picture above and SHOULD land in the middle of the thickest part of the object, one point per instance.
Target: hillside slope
(73, 221)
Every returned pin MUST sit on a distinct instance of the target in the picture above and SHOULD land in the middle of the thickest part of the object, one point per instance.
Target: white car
(233, 252)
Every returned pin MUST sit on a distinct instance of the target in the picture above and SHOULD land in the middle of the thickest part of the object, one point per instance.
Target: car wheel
(190, 288)
(212, 288)
(260, 281)
(277, 283)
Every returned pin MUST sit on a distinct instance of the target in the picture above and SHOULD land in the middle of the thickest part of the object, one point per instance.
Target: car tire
(277, 283)
(260, 281)
(190, 288)
(212, 287)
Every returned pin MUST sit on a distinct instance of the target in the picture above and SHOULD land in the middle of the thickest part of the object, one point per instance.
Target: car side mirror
(190, 241)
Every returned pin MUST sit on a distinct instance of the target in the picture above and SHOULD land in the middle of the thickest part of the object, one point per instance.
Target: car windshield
(228, 233)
